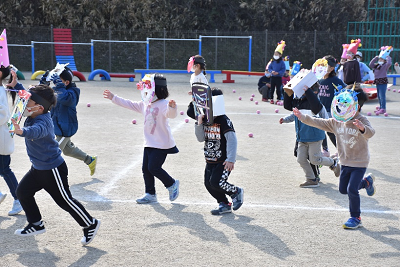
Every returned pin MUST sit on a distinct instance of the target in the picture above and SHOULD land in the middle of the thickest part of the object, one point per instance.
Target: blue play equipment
(98, 72)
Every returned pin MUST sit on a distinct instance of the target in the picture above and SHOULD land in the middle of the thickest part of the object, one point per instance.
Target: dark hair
(331, 63)
(67, 74)
(200, 60)
(5, 71)
(161, 90)
(361, 96)
(44, 95)
(216, 91)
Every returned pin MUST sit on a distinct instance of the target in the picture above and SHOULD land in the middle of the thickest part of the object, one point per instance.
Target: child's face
(350, 55)
(32, 106)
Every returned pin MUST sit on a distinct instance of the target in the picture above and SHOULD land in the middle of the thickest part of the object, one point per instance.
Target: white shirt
(6, 141)
(201, 78)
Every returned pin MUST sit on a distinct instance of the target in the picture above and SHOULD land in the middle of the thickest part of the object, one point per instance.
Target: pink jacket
(157, 132)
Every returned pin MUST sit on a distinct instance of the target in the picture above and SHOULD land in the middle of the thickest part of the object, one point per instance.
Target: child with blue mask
(264, 85)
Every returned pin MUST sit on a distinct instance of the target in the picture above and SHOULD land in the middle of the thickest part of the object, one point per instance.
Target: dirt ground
(279, 224)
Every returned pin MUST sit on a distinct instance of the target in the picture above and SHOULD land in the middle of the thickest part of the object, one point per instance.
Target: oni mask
(344, 104)
(147, 87)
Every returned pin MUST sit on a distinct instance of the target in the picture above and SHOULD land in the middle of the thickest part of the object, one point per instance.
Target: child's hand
(359, 125)
(17, 129)
(280, 120)
(305, 88)
(107, 94)
(14, 81)
(172, 103)
(275, 73)
(229, 166)
(396, 64)
(200, 119)
(297, 113)
(189, 92)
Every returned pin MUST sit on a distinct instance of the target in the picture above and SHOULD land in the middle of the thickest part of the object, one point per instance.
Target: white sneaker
(147, 198)
(17, 208)
(174, 191)
(2, 197)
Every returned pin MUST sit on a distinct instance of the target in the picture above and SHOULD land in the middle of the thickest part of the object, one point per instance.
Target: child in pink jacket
(159, 141)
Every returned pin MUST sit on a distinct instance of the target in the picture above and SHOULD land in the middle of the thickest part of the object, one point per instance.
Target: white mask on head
(276, 57)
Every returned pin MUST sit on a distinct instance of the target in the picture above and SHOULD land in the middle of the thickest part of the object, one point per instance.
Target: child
(65, 119)
(326, 93)
(220, 146)
(7, 142)
(352, 143)
(277, 68)
(49, 170)
(264, 85)
(397, 67)
(366, 73)
(157, 133)
(380, 64)
(351, 68)
(199, 70)
(309, 138)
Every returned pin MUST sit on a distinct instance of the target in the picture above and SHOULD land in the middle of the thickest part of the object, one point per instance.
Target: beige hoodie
(352, 144)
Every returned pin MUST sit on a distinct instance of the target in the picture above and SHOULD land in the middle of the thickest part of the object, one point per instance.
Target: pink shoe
(380, 111)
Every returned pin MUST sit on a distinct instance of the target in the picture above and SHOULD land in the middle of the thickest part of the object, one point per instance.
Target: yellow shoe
(92, 165)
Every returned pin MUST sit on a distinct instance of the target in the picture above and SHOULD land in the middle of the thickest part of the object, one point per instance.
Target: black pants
(55, 182)
(153, 159)
(276, 82)
(215, 180)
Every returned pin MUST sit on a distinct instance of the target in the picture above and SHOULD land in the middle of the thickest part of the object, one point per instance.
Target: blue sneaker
(237, 198)
(352, 223)
(222, 208)
(370, 188)
(174, 191)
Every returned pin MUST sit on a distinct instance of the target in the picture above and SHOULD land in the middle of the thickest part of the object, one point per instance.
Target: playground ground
(279, 224)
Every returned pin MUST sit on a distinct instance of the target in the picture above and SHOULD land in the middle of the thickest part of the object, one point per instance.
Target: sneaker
(17, 208)
(380, 111)
(92, 165)
(335, 167)
(264, 100)
(317, 178)
(309, 183)
(2, 197)
(272, 101)
(174, 191)
(31, 229)
(90, 232)
(147, 198)
(370, 188)
(237, 198)
(352, 223)
(222, 208)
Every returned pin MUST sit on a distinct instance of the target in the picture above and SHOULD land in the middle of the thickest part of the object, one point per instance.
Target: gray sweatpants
(310, 152)
(69, 149)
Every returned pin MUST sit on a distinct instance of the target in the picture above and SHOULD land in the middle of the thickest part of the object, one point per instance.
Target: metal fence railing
(220, 53)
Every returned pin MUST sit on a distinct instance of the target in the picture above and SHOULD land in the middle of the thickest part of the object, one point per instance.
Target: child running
(352, 143)
(159, 141)
(49, 170)
(220, 145)
(381, 64)
(7, 142)
(65, 119)
(309, 139)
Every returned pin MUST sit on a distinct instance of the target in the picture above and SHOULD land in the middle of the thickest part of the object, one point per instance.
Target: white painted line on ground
(248, 205)
(287, 112)
(110, 184)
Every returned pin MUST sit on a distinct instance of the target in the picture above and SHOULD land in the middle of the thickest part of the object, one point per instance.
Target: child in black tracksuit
(49, 170)
(264, 85)
(220, 145)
